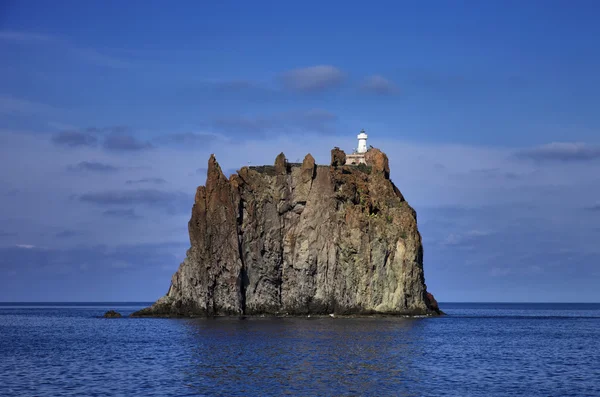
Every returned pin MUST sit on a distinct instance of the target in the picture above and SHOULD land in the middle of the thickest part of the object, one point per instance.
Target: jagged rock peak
(338, 157)
(281, 164)
(214, 171)
(309, 168)
(300, 239)
(378, 161)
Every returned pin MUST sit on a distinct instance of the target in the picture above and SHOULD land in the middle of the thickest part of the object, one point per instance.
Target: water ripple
(475, 351)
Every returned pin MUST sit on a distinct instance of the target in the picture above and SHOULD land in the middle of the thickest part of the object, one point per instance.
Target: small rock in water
(112, 314)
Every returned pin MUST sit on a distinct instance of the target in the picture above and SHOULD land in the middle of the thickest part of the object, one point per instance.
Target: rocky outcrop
(338, 157)
(300, 239)
(112, 314)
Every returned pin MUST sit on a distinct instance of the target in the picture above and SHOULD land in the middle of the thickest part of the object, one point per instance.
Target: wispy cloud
(128, 197)
(379, 85)
(128, 213)
(125, 142)
(315, 120)
(495, 173)
(595, 207)
(312, 79)
(188, 139)
(75, 138)
(117, 138)
(465, 239)
(37, 264)
(149, 216)
(199, 171)
(156, 181)
(7, 234)
(92, 166)
(241, 87)
(171, 201)
(246, 124)
(68, 234)
(562, 151)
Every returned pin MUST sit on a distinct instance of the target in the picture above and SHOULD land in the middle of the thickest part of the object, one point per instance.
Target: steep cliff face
(300, 239)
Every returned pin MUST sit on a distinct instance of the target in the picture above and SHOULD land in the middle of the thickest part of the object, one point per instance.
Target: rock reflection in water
(476, 350)
(303, 356)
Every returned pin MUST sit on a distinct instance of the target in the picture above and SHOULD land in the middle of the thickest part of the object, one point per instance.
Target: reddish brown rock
(300, 239)
(432, 303)
(378, 161)
(338, 157)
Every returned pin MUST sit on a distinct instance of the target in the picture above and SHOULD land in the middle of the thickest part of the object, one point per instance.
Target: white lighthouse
(358, 156)
(362, 142)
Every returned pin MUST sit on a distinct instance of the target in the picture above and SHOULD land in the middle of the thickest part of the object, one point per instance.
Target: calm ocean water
(477, 350)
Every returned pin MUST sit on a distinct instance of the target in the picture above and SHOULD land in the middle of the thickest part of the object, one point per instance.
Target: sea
(476, 349)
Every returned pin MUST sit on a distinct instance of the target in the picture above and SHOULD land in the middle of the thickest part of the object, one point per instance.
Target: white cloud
(471, 218)
(415, 169)
(562, 151)
(378, 84)
(313, 78)
(465, 238)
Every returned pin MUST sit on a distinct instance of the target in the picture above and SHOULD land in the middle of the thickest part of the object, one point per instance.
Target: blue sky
(487, 110)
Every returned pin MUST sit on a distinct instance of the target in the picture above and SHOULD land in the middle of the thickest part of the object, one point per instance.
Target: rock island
(299, 239)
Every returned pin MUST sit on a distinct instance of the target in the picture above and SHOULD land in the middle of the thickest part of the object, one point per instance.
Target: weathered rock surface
(300, 239)
(338, 157)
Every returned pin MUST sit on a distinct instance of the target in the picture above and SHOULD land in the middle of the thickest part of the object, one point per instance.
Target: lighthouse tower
(362, 142)
(358, 157)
